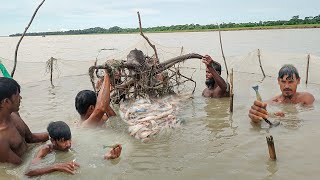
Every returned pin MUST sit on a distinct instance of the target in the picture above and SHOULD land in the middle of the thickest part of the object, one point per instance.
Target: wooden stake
(181, 51)
(231, 91)
(146, 38)
(51, 70)
(307, 73)
(259, 57)
(271, 148)
(24, 33)
(224, 58)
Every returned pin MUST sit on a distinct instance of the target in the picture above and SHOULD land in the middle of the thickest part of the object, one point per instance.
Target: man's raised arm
(103, 103)
(219, 80)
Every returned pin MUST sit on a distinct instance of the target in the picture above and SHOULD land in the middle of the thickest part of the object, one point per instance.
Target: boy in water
(60, 137)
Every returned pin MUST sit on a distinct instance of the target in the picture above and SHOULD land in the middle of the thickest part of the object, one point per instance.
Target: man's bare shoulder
(18, 123)
(224, 92)
(15, 117)
(207, 92)
(47, 148)
(305, 98)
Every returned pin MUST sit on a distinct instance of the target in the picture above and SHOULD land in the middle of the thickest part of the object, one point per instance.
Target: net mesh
(271, 62)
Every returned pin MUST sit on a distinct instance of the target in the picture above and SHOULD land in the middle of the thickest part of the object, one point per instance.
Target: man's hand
(258, 111)
(68, 167)
(207, 60)
(113, 153)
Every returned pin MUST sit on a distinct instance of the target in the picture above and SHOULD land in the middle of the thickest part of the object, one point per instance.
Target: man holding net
(216, 86)
(288, 80)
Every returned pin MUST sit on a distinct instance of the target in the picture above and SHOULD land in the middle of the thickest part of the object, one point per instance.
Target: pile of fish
(147, 117)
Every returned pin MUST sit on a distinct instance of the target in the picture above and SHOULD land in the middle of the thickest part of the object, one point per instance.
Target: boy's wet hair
(288, 70)
(84, 100)
(8, 88)
(59, 130)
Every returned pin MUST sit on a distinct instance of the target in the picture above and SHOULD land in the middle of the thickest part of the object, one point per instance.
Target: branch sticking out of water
(24, 33)
(147, 39)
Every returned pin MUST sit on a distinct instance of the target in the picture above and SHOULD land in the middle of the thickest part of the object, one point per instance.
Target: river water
(212, 143)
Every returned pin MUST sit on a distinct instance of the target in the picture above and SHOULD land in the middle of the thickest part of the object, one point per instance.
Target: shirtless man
(14, 133)
(95, 111)
(288, 80)
(216, 86)
(60, 137)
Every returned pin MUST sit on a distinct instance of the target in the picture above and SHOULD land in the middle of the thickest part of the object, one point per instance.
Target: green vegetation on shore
(293, 23)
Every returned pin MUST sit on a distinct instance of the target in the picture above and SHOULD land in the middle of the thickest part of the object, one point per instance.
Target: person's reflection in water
(218, 117)
(292, 120)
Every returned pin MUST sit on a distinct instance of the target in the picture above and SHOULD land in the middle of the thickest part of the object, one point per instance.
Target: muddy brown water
(211, 144)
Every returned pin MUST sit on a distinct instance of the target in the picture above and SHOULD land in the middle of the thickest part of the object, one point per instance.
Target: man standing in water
(216, 86)
(288, 80)
(95, 111)
(14, 133)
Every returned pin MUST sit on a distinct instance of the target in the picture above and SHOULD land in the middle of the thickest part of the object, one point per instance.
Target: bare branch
(24, 33)
(146, 38)
(224, 58)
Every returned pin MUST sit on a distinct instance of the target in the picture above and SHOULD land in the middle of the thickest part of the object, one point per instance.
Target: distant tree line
(295, 20)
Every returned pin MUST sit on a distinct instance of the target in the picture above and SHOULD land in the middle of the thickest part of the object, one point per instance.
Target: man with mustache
(216, 86)
(288, 80)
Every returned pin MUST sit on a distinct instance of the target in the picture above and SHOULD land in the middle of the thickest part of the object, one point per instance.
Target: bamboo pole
(259, 57)
(224, 58)
(307, 73)
(231, 91)
(24, 33)
(147, 39)
(271, 148)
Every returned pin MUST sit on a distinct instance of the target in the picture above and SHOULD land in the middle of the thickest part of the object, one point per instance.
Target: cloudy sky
(80, 14)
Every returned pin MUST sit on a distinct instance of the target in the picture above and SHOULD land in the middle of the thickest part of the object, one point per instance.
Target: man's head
(209, 77)
(288, 80)
(85, 102)
(60, 135)
(9, 94)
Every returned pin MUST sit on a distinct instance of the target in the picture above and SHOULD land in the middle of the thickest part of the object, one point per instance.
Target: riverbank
(299, 26)
(302, 26)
